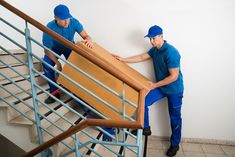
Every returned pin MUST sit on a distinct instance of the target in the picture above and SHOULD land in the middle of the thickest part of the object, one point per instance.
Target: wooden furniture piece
(103, 77)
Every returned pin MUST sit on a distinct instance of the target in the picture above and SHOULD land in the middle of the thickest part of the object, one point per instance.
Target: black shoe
(146, 131)
(172, 151)
(50, 100)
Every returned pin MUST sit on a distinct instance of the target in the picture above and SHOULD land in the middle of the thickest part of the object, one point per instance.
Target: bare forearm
(165, 81)
(135, 59)
(173, 75)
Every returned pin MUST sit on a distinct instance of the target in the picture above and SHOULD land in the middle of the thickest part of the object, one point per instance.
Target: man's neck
(160, 44)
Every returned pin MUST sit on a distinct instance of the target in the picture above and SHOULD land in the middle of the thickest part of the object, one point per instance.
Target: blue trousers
(49, 72)
(174, 108)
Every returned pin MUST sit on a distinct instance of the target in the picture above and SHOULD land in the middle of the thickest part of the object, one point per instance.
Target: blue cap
(62, 12)
(154, 31)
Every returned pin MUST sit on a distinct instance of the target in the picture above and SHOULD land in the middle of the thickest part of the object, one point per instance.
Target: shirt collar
(164, 46)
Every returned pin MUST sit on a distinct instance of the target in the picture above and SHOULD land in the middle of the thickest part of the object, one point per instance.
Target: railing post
(32, 81)
(139, 143)
(123, 115)
(77, 151)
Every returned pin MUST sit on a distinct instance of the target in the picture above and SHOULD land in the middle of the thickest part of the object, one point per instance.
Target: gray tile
(155, 144)
(192, 147)
(212, 149)
(165, 144)
(229, 150)
(194, 154)
(154, 153)
(215, 155)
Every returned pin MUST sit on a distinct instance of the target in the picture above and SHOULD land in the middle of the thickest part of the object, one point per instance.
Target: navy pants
(49, 72)
(174, 107)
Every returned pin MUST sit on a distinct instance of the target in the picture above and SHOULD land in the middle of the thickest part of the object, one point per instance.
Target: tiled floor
(157, 148)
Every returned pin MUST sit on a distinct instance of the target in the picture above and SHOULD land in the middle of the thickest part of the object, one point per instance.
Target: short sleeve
(151, 51)
(173, 59)
(78, 26)
(46, 39)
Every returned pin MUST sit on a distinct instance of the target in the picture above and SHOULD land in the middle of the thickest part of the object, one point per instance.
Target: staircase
(55, 119)
(54, 123)
(70, 126)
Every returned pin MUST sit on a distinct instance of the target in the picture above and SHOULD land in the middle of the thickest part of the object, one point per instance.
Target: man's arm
(174, 72)
(54, 59)
(87, 39)
(134, 59)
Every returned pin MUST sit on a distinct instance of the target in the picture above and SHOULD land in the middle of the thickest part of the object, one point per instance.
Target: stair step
(24, 96)
(83, 138)
(22, 69)
(22, 107)
(25, 84)
(62, 124)
(12, 100)
(42, 109)
(61, 110)
(16, 79)
(105, 152)
(8, 59)
(24, 121)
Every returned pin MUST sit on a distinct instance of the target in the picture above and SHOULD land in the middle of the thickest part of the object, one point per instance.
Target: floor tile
(215, 155)
(154, 144)
(194, 154)
(191, 147)
(165, 144)
(154, 153)
(212, 149)
(229, 150)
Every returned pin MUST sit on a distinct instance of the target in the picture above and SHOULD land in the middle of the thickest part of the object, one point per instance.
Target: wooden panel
(105, 78)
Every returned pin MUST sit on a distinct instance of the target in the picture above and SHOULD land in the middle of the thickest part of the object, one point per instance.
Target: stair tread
(54, 117)
(15, 62)
(104, 151)
(17, 78)
(61, 122)
(22, 107)
(8, 59)
(82, 137)
(23, 120)
(14, 51)
(25, 84)
(23, 95)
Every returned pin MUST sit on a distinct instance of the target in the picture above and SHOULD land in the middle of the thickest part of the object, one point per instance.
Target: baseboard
(199, 140)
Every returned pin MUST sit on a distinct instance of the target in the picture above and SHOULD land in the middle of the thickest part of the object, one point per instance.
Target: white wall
(202, 30)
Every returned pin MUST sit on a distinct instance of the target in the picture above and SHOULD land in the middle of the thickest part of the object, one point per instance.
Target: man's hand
(58, 65)
(118, 57)
(86, 39)
(88, 43)
(152, 85)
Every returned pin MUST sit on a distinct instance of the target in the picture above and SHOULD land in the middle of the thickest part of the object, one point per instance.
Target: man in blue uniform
(66, 26)
(169, 83)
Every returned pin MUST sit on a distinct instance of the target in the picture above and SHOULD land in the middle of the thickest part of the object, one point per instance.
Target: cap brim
(65, 17)
(149, 35)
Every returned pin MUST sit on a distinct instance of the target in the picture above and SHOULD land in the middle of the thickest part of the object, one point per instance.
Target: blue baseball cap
(62, 12)
(154, 31)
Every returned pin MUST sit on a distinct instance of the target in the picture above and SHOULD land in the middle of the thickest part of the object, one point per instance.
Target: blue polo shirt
(68, 33)
(163, 59)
